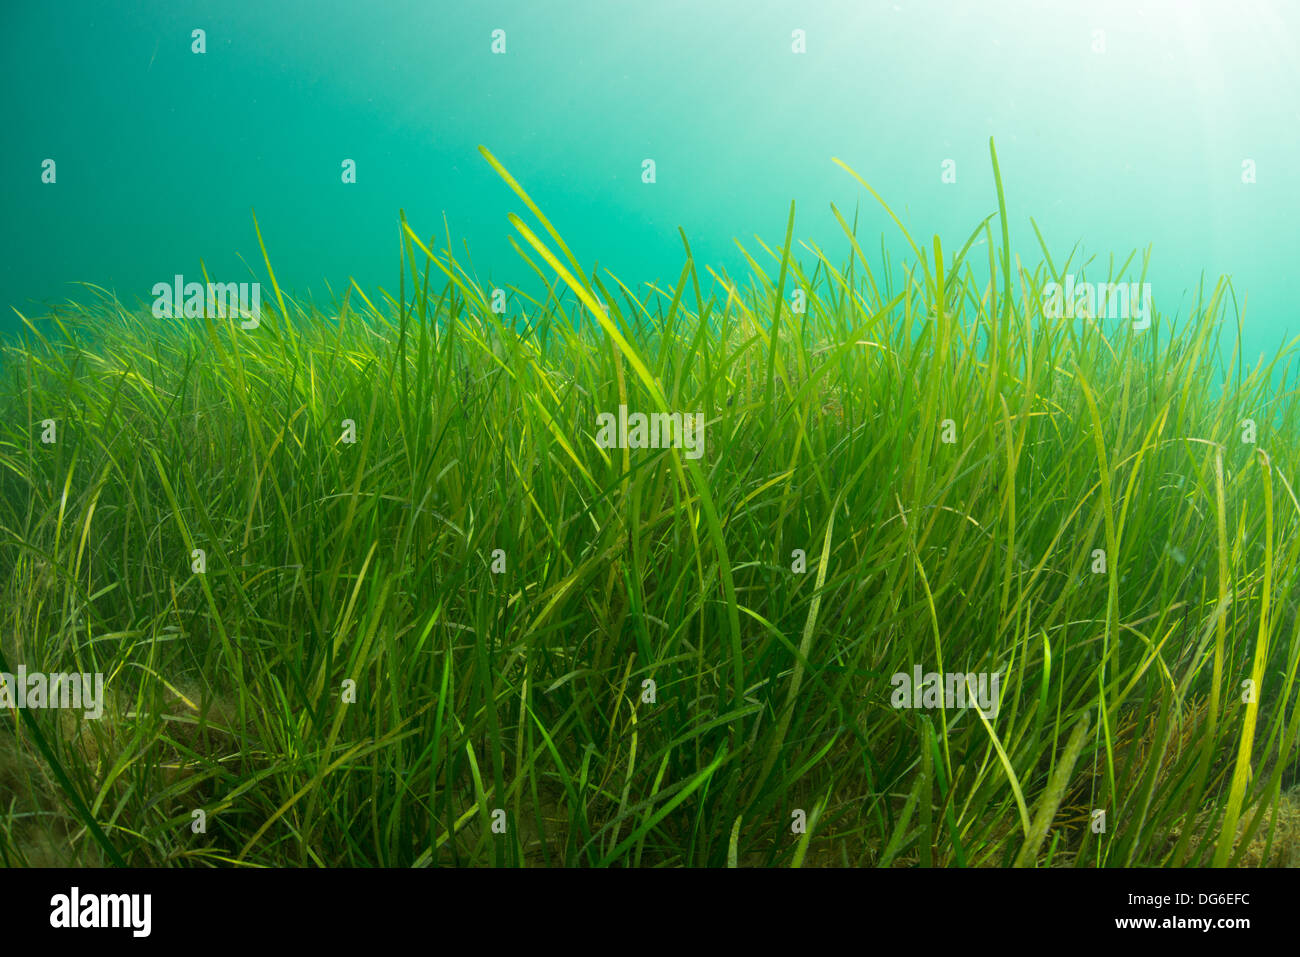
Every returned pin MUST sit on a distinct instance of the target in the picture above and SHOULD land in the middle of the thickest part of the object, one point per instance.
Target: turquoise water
(1133, 136)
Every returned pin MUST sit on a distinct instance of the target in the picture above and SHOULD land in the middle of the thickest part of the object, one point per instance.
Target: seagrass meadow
(365, 589)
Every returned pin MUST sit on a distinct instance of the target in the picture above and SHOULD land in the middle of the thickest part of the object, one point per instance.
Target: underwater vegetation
(424, 582)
